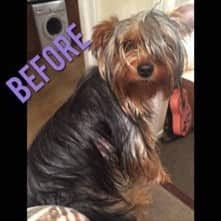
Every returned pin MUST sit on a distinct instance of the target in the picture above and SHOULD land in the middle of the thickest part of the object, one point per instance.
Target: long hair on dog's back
(70, 162)
(97, 153)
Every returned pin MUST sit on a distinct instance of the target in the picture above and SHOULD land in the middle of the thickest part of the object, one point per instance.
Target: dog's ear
(184, 17)
(102, 34)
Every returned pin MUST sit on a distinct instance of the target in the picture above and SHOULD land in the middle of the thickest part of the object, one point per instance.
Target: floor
(166, 207)
(178, 158)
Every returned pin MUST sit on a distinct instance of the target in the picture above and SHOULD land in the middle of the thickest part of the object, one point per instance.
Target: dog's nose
(145, 70)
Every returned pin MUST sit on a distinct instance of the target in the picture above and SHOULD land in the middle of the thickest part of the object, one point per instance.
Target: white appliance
(50, 18)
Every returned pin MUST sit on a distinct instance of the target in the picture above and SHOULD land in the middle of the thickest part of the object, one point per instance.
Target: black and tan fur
(98, 154)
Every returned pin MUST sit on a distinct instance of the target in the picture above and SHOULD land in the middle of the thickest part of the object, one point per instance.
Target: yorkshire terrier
(98, 153)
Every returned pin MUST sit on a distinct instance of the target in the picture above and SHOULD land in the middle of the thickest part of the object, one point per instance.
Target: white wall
(121, 8)
(93, 11)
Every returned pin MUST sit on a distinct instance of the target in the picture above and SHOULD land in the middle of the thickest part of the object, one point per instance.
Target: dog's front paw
(163, 177)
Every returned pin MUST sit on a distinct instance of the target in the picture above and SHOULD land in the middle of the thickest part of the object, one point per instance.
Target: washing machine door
(53, 26)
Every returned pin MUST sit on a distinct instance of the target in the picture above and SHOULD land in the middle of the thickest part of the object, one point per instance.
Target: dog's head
(139, 56)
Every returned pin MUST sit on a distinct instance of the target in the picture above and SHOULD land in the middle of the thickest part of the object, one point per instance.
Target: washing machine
(50, 18)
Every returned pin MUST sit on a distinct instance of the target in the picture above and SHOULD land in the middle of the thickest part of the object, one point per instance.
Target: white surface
(43, 12)
(88, 18)
(160, 106)
(94, 11)
(189, 75)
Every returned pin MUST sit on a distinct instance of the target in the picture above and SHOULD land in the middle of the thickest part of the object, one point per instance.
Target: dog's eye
(128, 45)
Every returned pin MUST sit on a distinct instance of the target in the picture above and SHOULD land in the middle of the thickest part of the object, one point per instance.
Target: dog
(98, 153)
